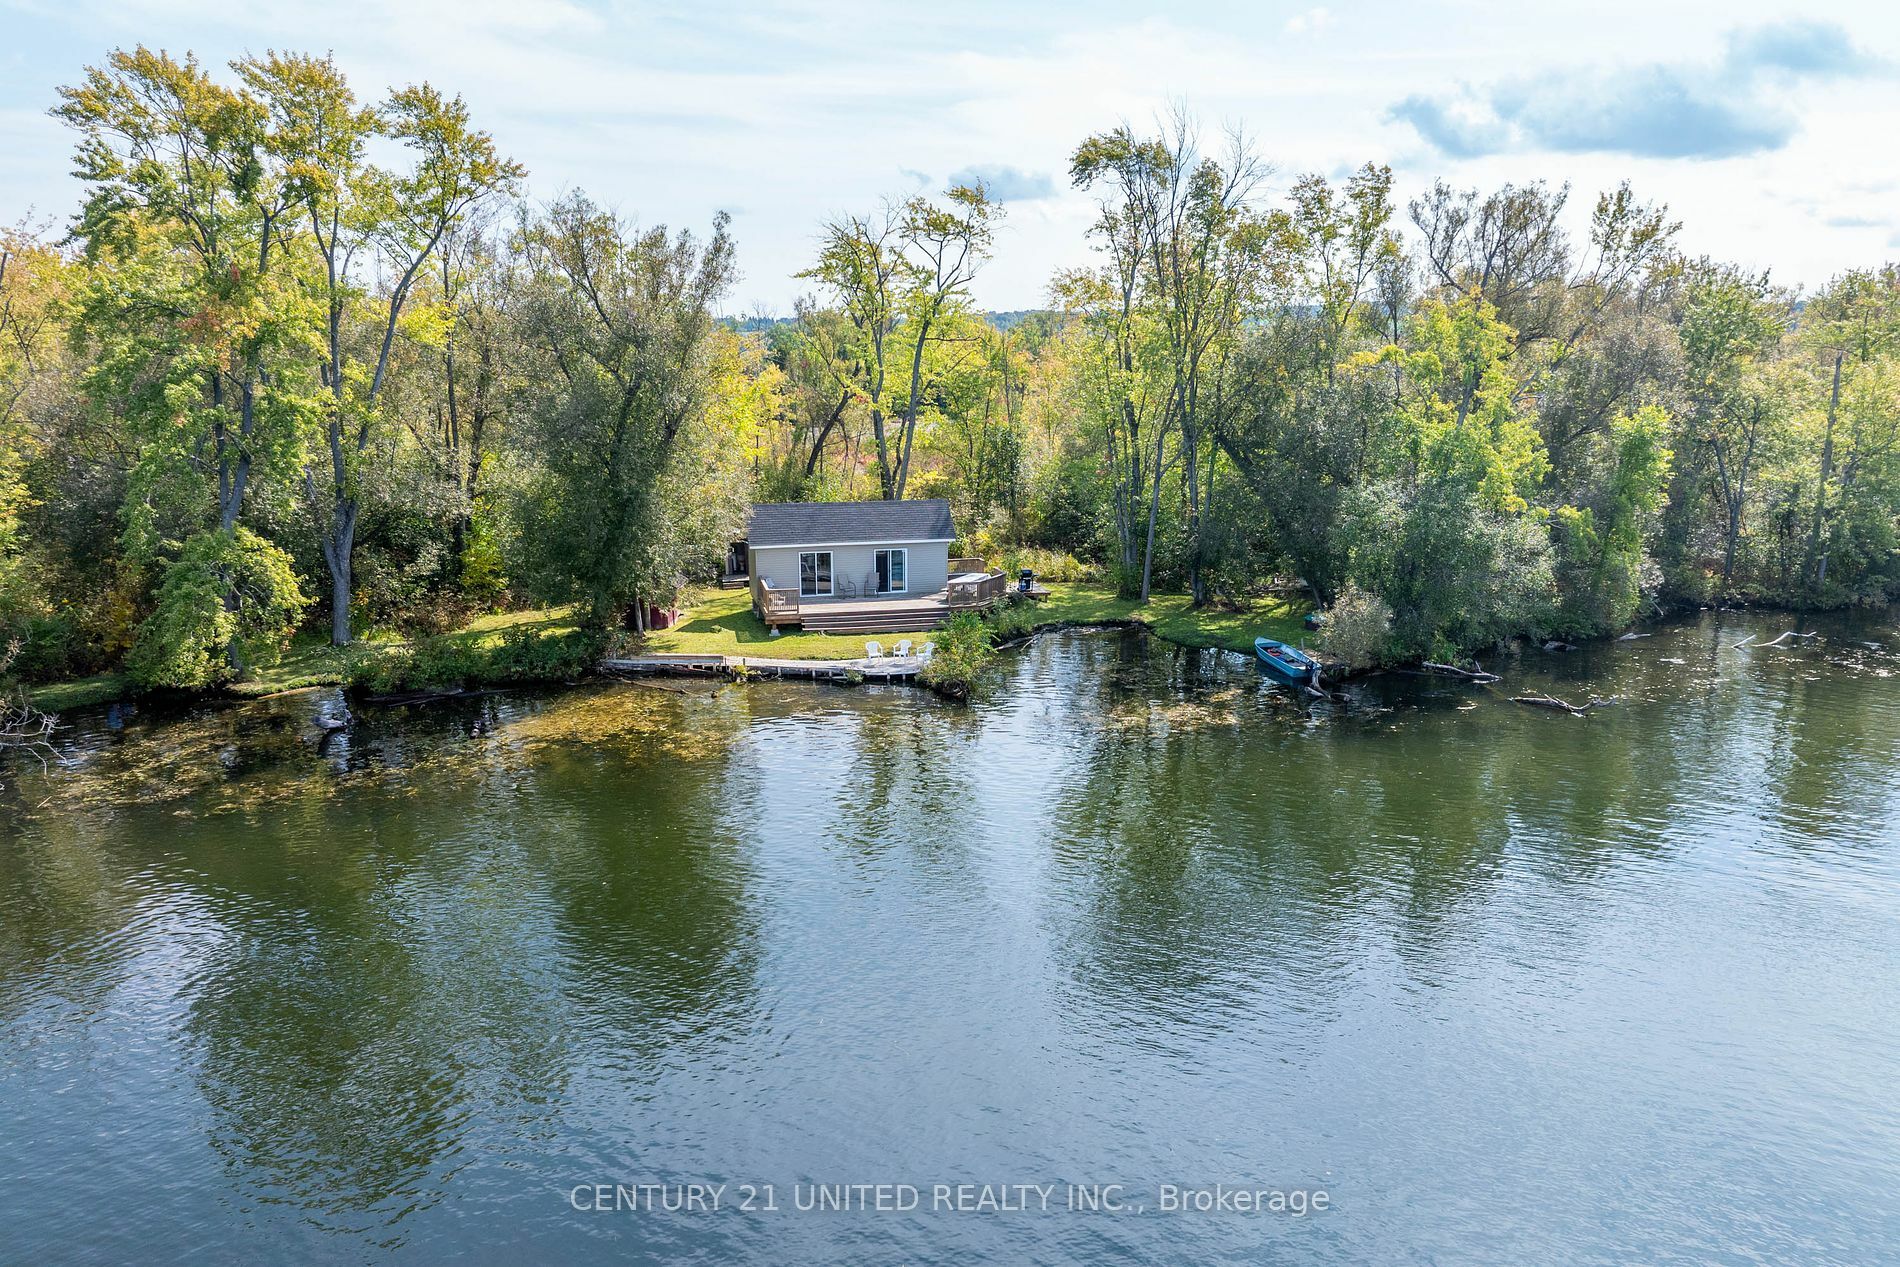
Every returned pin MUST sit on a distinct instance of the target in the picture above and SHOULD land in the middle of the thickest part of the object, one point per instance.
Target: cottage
(859, 566)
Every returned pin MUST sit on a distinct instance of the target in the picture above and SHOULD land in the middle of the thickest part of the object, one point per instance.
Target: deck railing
(968, 565)
(977, 592)
(780, 607)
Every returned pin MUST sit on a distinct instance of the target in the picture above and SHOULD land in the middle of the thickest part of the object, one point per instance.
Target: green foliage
(324, 346)
(627, 329)
(228, 602)
(963, 657)
(1600, 550)
(442, 664)
(483, 578)
(1456, 574)
(1048, 565)
(1358, 628)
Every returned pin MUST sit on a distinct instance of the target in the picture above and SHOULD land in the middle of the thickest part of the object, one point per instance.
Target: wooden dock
(686, 664)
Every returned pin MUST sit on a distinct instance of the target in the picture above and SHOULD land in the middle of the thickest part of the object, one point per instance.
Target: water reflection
(391, 995)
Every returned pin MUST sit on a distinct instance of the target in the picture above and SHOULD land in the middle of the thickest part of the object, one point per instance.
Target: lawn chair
(902, 650)
(873, 650)
(926, 651)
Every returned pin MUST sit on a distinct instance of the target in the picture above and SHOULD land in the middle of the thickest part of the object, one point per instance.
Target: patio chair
(926, 651)
(873, 650)
(902, 649)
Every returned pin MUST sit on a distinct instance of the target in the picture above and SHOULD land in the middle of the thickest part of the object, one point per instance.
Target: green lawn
(309, 661)
(720, 622)
(1171, 616)
(60, 697)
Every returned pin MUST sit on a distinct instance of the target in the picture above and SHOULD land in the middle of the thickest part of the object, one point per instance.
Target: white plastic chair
(873, 650)
(926, 651)
(902, 649)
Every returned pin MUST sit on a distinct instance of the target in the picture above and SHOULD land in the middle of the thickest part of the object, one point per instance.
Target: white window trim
(831, 574)
(888, 551)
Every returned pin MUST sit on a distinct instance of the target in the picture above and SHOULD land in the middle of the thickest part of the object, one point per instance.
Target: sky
(1767, 128)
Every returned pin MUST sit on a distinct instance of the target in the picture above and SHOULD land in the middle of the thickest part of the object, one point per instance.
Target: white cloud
(1310, 22)
(789, 111)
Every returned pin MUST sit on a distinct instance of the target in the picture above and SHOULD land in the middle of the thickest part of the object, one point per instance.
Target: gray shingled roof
(848, 523)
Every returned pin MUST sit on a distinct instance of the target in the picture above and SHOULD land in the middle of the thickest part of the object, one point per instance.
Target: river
(1490, 983)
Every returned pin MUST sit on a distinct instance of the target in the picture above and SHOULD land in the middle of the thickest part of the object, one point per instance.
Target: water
(1506, 985)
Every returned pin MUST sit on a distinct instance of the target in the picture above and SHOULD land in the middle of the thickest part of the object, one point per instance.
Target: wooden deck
(901, 614)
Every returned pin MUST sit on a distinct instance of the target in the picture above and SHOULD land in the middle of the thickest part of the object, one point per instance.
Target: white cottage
(859, 566)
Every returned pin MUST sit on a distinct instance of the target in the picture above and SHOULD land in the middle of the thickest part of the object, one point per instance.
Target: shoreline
(114, 687)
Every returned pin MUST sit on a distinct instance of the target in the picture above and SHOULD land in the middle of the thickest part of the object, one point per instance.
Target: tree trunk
(910, 411)
(340, 602)
(1154, 511)
(1817, 558)
(824, 432)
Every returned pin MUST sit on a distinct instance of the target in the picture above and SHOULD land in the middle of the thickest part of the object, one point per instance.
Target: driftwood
(1561, 705)
(23, 728)
(1631, 637)
(1474, 674)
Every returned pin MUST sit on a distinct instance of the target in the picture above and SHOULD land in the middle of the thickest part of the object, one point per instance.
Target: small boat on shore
(1287, 665)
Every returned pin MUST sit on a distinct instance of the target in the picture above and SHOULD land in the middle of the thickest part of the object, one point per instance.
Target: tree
(1182, 234)
(944, 246)
(623, 322)
(358, 214)
(1600, 547)
(1730, 325)
(861, 262)
(898, 276)
(1853, 325)
(193, 299)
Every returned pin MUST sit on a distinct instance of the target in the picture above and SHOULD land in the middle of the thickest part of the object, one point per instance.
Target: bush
(1358, 628)
(1049, 565)
(450, 664)
(964, 652)
(227, 591)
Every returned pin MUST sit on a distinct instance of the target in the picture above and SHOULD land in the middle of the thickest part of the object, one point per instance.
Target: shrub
(1049, 565)
(964, 652)
(227, 591)
(448, 664)
(1358, 628)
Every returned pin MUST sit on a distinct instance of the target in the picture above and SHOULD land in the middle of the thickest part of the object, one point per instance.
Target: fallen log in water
(1790, 634)
(1561, 705)
(1547, 701)
(1451, 670)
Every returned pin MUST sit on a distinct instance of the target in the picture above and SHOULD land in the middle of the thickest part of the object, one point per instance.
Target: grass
(309, 661)
(60, 697)
(720, 622)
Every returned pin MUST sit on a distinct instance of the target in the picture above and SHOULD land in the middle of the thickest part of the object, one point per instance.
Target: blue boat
(1288, 665)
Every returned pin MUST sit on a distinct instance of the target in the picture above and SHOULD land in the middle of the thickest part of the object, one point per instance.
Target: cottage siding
(929, 566)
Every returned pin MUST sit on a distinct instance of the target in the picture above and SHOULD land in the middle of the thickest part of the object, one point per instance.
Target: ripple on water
(1513, 985)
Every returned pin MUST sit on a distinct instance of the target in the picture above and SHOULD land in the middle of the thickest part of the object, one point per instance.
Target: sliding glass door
(814, 573)
(893, 571)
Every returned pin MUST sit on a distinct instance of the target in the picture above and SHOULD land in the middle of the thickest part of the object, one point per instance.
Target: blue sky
(1767, 128)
